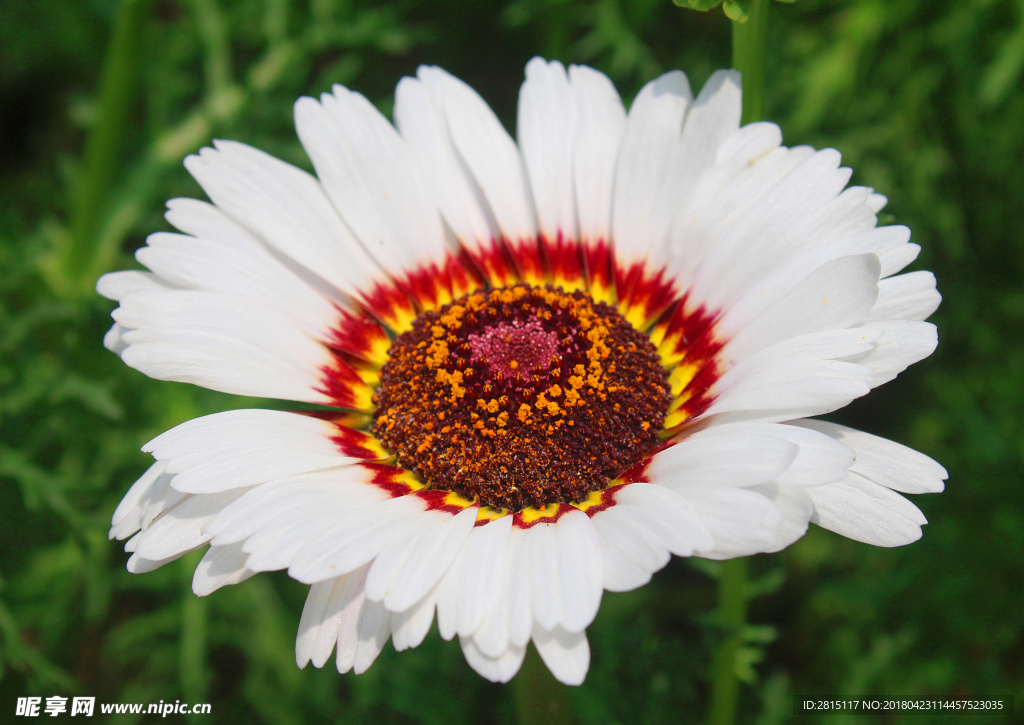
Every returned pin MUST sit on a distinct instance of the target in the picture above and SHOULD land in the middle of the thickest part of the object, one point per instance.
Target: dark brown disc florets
(521, 396)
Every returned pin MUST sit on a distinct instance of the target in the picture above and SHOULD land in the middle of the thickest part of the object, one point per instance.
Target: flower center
(521, 396)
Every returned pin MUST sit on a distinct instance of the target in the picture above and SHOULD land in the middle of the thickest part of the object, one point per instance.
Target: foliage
(738, 10)
(921, 96)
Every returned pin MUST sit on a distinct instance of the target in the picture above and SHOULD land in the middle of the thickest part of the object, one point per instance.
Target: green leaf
(702, 5)
(737, 10)
(746, 659)
(759, 634)
(768, 583)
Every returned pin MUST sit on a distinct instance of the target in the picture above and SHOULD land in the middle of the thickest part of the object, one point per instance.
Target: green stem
(106, 138)
(732, 612)
(539, 697)
(748, 51)
(192, 664)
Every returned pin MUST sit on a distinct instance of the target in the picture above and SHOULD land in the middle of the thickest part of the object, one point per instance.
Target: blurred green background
(923, 98)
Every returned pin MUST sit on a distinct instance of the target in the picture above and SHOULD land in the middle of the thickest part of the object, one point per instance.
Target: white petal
(896, 259)
(420, 117)
(910, 296)
(647, 157)
(713, 116)
(180, 529)
(278, 545)
(770, 225)
(286, 208)
(601, 120)
(162, 498)
(819, 459)
(348, 629)
(291, 522)
(578, 554)
(318, 630)
(337, 611)
(361, 537)
(900, 343)
(520, 615)
(796, 508)
(804, 375)
(486, 149)
(370, 176)
(221, 342)
(544, 571)
(245, 447)
(322, 496)
(646, 523)
(406, 571)
(510, 620)
(330, 617)
(132, 501)
(496, 669)
(665, 516)
(847, 214)
(865, 511)
(409, 627)
(129, 546)
(566, 654)
(775, 285)
(113, 341)
(220, 566)
(564, 570)
(749, 162)
(373, 631)
(710, 119)
(243, 267)
(249, 266)
(741, 459)
(492, 637)
(228, 366)
(883, 461)
(742, 522)
(474, 581)
(115, 285)
(448, 598)
(141, 565)
(836, 296)
(630, 552)
(546, 129)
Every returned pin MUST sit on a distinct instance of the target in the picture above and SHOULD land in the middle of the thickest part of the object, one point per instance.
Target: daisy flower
(543, 365)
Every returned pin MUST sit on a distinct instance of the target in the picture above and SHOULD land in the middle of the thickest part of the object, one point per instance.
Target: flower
(550, 364)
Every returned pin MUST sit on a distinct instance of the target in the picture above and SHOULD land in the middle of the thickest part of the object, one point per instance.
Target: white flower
(506, 445)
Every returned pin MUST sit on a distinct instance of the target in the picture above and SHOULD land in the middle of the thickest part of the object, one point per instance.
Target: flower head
(552, 364)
